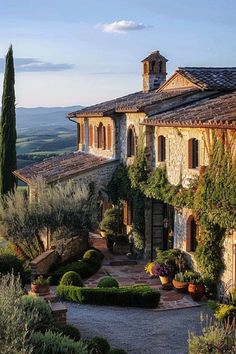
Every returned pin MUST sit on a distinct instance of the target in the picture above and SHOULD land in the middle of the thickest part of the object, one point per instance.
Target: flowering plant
(160, 270)
(149, 268)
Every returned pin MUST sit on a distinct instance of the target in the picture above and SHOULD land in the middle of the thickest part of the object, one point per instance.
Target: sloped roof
(217, 111)
(134, 102)
(63, 167)
(211, 78)
(153, 56)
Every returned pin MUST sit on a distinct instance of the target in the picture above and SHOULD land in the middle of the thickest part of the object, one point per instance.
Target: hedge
(9, 263)
(134, 296)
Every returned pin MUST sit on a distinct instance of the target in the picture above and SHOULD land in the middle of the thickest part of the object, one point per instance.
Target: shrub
(99, 345)
(225, 312)
(9, 263)
(15, 326)
(92, 255)
(117, 351)
(100, 252)
(84, 267)
(141, 296)
(70, 331)
(56, 343)
(41, 307)
(71, 278)
(110, 222)
(215, 338)
(108, 282)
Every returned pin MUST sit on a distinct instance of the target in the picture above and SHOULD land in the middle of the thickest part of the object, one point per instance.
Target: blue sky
(72, 52)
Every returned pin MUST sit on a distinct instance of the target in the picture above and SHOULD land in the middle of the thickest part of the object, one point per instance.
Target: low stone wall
(42, 263)
(72, 248)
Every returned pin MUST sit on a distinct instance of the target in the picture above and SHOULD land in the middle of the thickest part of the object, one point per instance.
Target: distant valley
(43, 132)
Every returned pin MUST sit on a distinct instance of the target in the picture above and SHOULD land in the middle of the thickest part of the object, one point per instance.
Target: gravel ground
(138, 331)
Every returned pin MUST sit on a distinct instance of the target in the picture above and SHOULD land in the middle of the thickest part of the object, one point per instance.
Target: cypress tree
(8, 128)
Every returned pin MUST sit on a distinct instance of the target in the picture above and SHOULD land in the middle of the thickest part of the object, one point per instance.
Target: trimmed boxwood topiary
(99, 345)
(71, 278)
(92, 255)
(117, 351)
(108, 282)
(128, 296)
(70, 331)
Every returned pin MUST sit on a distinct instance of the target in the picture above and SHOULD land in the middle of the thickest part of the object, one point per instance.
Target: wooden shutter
(161, 148)
(95, 129)
(190, 153)
(78, 133)
(82, 133)
(109, 137)
(90, 135)
(195, 153)
(103, 138)
(125, 213)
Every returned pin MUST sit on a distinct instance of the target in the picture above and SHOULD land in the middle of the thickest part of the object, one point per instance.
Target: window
(131, 142)
(78, 133)
(109, 137)
(90, 135)
(192, 234)
(193, 153)
(160, 64)
(101, 136)
(161, 148)
(127, 213)
(153, 63)
(95, 136)
(82, 133)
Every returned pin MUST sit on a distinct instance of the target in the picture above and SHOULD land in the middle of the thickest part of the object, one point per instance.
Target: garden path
(135, 274)
(138, 331)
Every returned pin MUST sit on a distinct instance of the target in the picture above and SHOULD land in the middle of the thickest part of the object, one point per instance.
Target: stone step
(59, 311)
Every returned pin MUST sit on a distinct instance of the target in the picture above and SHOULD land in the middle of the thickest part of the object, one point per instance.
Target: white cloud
(122, 26)
(34, 65)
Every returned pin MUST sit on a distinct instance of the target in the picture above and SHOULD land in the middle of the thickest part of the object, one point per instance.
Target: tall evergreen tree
(8, 128)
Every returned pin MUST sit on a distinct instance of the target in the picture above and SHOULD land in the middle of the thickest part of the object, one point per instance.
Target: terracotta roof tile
(220, 110)
(62, 167)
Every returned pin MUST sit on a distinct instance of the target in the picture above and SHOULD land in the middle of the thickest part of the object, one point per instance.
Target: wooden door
(157, 240)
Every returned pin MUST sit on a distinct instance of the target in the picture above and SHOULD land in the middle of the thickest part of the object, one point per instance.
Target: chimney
(154, 71)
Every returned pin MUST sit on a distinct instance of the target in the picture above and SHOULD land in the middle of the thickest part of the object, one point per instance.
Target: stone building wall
(95, 121)
(229, 252)
(177, 152)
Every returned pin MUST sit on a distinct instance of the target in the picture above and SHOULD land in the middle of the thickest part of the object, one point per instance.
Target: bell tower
(154, 71)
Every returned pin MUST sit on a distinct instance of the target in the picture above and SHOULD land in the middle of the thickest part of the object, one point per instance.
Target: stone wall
(176, 162)
(42, 263)
(229, 249)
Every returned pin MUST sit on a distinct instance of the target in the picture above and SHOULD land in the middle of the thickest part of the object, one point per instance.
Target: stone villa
(172, 116)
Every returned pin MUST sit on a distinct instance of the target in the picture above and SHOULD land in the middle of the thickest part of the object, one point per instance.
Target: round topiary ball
(70, 331)
(108, 282)
(71, 278)
(92, 255)
(99, 345)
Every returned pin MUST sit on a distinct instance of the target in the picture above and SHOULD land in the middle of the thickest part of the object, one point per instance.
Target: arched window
(160, 66)
(90, 135)
(131, 142)
(82, 133)
(109, 137)
(101, 136)
(153, 64)
(161, 148)
(192, 234)
(78, 133)
(193, 152)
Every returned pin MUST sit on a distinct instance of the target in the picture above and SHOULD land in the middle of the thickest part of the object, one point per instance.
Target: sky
(81, 52)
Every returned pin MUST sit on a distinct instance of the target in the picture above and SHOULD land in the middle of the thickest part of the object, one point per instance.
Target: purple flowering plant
(160, 270)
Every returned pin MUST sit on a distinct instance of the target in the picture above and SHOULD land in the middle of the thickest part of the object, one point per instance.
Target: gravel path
(138, 331)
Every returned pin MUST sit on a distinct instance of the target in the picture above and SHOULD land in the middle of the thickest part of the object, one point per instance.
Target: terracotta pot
(196, 291)
(180, 286)
(40, 290)
(164, 280)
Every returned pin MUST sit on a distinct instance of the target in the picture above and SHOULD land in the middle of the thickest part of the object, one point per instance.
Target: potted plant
(161, 271)
(149, 268)
(196, 287)
(40, 286)
(180, 282)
